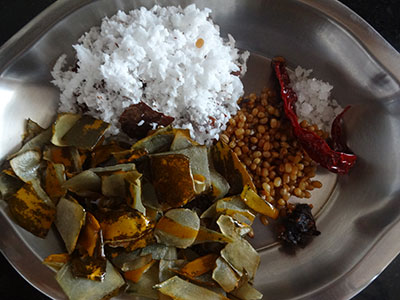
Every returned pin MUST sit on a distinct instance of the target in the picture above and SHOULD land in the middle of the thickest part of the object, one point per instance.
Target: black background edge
(383, 15)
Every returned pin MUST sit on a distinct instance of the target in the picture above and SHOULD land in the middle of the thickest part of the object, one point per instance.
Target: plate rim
(349, 283)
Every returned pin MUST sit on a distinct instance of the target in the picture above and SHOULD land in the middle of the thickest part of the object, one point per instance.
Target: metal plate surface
(358, 215)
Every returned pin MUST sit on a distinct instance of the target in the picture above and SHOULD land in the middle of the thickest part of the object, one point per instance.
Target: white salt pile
(172, 59)
(314, 102)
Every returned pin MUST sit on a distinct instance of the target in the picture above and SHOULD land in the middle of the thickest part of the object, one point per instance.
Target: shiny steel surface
(359, 218)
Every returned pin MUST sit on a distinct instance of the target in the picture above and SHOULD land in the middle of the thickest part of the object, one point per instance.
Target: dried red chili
(338, 143)
(335, 160)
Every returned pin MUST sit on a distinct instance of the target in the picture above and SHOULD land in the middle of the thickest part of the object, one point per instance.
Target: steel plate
(359, 214)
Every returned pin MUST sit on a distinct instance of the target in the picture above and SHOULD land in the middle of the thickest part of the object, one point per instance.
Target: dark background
(383, 15)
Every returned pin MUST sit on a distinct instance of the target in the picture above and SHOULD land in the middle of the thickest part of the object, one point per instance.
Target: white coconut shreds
(151, 56)
(314, 102)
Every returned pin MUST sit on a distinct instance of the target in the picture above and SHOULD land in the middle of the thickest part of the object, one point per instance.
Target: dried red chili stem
(316, 147)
